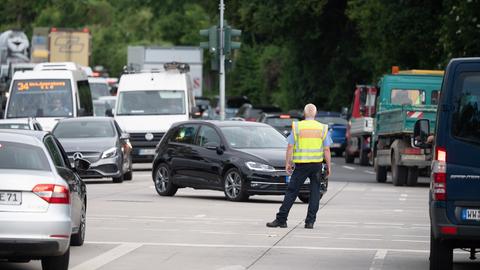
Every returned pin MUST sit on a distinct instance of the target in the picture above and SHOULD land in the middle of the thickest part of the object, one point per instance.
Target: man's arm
(288, 159)
(328, 158)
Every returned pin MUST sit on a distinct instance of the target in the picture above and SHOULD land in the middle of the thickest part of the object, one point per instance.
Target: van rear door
(462, 144)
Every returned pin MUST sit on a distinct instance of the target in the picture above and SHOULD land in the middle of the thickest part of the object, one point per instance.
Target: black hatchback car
(237, 157)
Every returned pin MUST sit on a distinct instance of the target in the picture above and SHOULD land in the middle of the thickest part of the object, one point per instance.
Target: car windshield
(100, 107)
(84, 129)
(40, 98)
(280, 122)
(254, 137)
(14, 126)
(328, 120)
(19, 156)
(163, 102)
(99, 90)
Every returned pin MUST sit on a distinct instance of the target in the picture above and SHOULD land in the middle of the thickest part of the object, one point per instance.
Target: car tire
(56, 262)
(128, 176)
(441, 254)
(412, 178)
(162, 181)
(234, 186)
(399, 173)
(117, 180)
(380, 172)
(305, 198)
(79, 238)
(349, 158)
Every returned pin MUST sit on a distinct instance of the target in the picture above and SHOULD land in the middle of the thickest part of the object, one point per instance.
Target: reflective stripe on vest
(309, 136)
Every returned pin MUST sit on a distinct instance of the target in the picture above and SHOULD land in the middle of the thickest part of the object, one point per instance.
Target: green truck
(405, 97)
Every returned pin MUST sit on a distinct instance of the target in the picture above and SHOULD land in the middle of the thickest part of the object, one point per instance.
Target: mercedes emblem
(77, 155)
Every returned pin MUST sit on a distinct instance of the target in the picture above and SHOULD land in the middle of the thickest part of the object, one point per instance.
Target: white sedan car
(42, 199)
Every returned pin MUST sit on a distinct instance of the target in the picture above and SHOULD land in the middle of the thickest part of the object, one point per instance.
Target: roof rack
(170, 66)
(181, 67)
(57, 66)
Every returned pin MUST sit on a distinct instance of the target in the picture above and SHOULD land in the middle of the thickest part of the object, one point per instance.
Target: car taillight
(439, 173)
(251, 119)
(412, 151)
(54, 194)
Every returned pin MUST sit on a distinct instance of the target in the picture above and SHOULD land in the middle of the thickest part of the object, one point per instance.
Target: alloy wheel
(162, 178)
(233, 184)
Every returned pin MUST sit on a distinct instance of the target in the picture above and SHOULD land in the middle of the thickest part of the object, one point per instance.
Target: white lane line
(348, 167)
(369, 172)
(411, 241)
(108, 256)
(256, 247)
(359, 239)
(410, 235)
(200, 216)
(378, 259)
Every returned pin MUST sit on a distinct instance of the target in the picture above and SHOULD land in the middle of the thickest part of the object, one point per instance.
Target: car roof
(225, 123)
(331, 114)
(97, 80)
(87, 118)
(31, 137)
(16, 121)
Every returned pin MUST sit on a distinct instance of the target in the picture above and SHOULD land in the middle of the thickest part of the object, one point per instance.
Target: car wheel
(412, 177)
(234, 186)
(441, 254)
(118, 180)
(56, 262)
(163, 183)
(127, 175)
(399, 173)
(381, 172)
(78, 238)
(349, 158)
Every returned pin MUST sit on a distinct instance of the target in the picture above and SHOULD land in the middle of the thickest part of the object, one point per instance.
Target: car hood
(274, 157)
(88, 145)
(148, 123)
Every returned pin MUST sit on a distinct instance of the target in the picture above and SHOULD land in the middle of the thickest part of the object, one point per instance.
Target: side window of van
(85, 97)
(466, 118)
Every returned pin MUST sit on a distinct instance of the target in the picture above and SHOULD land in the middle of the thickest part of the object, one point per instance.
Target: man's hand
(289, 168)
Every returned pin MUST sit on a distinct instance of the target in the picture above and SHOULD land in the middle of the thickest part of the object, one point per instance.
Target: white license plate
(10, 198)
(471, 214)
(146, 152)
(336, 145)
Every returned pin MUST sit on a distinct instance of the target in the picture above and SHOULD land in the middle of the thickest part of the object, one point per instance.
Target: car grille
(138, 139)
(90, 156)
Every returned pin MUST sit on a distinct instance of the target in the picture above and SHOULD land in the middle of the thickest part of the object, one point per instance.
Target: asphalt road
(361, 225)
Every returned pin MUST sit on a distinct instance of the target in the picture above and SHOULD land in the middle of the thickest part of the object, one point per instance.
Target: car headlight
(255, 166)
(109, 153)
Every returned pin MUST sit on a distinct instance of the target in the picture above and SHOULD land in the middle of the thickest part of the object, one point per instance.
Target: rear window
(332, 120)
(407, 97)
(466, 118)
(280, 122)
(19, 156)
(84, 129)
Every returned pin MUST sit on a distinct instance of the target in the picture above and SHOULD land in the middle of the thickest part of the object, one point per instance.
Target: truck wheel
(381, 172)
(441, 254)
(363, 153)
(399, 173)
(412, 177)
(349, 158)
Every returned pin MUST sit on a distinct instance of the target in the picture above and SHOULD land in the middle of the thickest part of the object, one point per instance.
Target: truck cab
(360, 125)
(405, 96)
(455, 180)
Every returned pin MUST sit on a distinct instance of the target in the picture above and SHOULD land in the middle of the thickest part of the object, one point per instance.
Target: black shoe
(277, 223)
(308, 225)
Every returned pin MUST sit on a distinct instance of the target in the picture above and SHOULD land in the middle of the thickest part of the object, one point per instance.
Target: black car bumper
(28, 249)
(270, 184)
(465, 236)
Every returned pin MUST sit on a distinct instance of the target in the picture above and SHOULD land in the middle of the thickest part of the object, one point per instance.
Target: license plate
(10, 198)
(146, 152)
(336, 145)
(471, 214)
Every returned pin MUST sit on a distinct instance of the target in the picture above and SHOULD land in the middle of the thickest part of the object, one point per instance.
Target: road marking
(378, 259)
(348, 167)
(412, 241)
(257, 247)
(369, 172)
(407, 235)
(200, 216)
(108, 256)
(402, 199)
(359, 239)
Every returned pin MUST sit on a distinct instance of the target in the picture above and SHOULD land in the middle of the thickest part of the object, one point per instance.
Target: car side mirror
(215, 146)
(421, 132)
(81, 165)
(195, 113)
(109, 112)
(124, 136)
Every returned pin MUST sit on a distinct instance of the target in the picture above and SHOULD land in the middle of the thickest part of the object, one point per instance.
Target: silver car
(20, 123)
(42, 199)
(100, 141)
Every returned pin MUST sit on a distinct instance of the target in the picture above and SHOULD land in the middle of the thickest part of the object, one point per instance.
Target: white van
(49, 92)
(149, 103)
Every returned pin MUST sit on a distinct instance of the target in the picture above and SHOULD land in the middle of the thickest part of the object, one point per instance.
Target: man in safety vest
(308, 147)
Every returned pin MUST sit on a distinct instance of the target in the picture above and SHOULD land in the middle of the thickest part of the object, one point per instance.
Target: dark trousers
(300, 174)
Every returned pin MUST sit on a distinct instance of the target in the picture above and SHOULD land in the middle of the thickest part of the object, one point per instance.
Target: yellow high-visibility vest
(309, 136)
